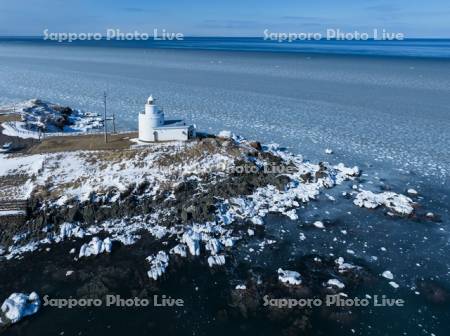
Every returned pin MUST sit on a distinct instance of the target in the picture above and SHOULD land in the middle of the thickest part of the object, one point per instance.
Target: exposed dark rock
(434, 292)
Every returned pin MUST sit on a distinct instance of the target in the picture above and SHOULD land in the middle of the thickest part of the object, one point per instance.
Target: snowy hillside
(43, 117)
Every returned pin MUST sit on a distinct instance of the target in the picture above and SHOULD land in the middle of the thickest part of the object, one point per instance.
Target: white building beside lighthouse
(153, 127)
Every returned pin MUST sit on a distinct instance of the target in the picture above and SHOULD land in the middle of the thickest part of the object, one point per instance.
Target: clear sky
(415, 18)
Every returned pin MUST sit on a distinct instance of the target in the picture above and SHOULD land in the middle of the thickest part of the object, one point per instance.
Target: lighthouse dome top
(150, 100)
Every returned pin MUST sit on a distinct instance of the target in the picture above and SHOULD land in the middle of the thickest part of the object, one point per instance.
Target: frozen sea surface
(386, 111)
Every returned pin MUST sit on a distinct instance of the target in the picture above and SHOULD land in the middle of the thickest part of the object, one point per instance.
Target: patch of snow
(48, 118)
(5, 213)
(158, 231)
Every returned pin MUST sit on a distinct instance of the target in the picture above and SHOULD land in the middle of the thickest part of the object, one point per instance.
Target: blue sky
(226, 17)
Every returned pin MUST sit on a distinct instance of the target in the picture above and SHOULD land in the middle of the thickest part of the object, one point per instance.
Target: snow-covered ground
(69, 176)
(40, 118)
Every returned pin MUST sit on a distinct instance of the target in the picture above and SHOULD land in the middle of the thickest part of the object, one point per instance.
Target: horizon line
(225, 36)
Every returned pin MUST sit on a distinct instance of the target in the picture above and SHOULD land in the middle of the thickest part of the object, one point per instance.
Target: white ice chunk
(336, 283)
(216, 260)
(225, 134)
(19, 305)
(289, 277)
(213, 245)
(388, 275)
(393, 201)
(95, 246)
(319, 225)
(412, 191)
(179, 249)
(158, 265)
(192, 240)
(393, 284)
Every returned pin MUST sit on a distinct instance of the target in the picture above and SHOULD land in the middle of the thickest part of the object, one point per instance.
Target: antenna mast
(104, 119)
(114, 122)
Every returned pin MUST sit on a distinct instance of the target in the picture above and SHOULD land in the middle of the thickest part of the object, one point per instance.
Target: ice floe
(213, 245)
(216, 260)
(344, 266)
(394, 284)
(336, 283)
(319, 225)
(398, 203)
(180, 250)
(158, 265)
(68, 230)
(192, 240)
(388, 275)
(412, 192)
(95, 246)
(289, 277)
(19, 305)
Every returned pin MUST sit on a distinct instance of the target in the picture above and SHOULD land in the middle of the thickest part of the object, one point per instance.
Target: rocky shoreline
(154, 210)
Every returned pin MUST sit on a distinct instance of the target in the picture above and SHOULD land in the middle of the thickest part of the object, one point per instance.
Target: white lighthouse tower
(153, 127)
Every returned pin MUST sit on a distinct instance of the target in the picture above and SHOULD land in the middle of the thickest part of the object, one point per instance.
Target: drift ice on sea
(388, 275)
(180, 250)
(289, 277)
(95, 246)
(336, 283)
(216, 260)
(158, 265)
(19, 305)
(393, 201)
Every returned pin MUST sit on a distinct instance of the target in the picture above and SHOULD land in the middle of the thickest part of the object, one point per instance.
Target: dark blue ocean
(432, 48)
